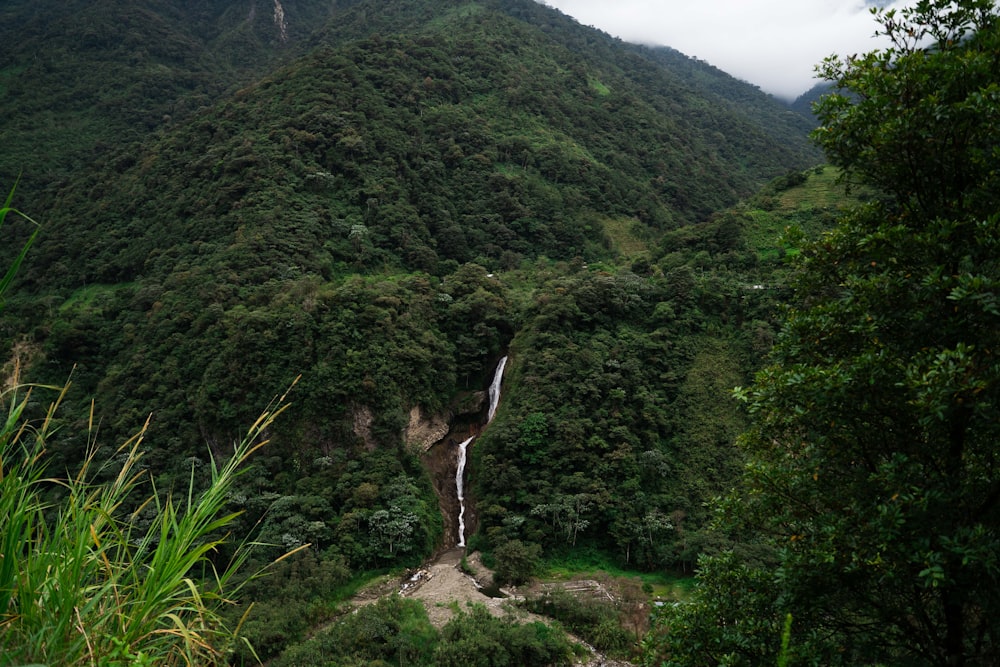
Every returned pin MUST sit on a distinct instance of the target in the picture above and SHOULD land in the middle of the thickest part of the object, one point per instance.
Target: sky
(774, 44)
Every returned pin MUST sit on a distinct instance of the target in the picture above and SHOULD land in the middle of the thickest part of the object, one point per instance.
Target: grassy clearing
(589, 565)
(460, 12)
(624, 236)
(821, 190)
(598, 87)
(810, 206)
(92, 297)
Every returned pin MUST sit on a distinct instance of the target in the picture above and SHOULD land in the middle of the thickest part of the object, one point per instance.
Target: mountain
(384, 199)
(79, 78)
(804, 102)
(728, 92)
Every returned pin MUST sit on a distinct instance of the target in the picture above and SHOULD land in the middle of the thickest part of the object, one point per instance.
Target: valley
(323, 294)
(384, 205)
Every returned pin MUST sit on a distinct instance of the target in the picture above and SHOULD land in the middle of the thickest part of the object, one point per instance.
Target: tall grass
(82, 584)
(8, 276)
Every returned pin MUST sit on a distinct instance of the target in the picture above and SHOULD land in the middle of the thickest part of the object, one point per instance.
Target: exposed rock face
(435, 437)
(363, 417)
(470, 403)
(280, 22)
(424, 430)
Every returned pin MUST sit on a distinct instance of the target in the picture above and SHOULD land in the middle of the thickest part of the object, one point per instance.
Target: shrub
(516, 562)
(596, 621)
(478, 639)
(392, 631)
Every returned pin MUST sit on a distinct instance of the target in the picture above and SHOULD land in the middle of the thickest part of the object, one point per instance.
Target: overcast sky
(774, 44)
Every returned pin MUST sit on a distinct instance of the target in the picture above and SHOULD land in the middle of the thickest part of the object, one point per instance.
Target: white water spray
(494, 394)
(495, 390)
(460, 485)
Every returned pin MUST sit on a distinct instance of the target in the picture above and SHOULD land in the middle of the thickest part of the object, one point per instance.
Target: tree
(919, 119)
(516, 562)
(873, 468)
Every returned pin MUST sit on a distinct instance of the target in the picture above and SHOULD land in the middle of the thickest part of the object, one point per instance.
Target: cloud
(774, 44)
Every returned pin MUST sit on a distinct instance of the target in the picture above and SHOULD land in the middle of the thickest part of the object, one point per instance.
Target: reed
(82, 584)
(8, 276)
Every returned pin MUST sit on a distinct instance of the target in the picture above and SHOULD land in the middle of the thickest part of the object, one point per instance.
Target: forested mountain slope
(80, 78)
(384, 201)
(474, 137)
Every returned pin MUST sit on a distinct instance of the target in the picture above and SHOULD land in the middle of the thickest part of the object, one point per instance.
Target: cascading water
(494, 395)
(460, 485)
(495, 390)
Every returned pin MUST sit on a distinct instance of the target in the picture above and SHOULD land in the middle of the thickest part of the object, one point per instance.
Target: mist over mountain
(804, 103)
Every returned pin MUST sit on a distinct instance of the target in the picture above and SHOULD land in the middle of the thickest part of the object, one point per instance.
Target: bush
(477, 639)
(392, 631)
(515, 562)
(594, 620)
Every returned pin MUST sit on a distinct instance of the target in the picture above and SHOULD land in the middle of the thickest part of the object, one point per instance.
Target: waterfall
(460, 485)
(495, 389)
(494, 395)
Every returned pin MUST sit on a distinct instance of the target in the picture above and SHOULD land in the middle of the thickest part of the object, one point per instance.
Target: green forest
(259, 269)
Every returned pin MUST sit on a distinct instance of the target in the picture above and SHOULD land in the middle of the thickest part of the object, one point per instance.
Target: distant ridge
(107, 73)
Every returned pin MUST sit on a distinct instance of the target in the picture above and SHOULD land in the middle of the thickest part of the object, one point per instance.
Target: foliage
(334, 490)
(475, 638)
(392, 630)
(598, 621)
(613, 436)
(920, 119)
(396, 630)
(515, 562)
(279, 610)
(82, 80)
(83, 580)
(730, 619)
(872, 472)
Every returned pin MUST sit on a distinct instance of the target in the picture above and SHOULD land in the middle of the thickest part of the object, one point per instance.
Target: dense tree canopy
(874, 480)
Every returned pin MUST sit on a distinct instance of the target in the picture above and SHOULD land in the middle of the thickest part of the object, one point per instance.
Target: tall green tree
(874, 475)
